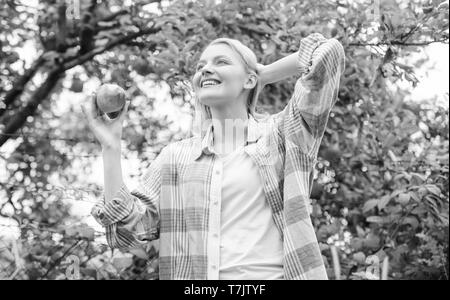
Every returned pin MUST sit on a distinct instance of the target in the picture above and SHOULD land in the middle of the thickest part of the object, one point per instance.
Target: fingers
(88, 108)
(105, 136)
(95, 109)
(102, 134)
(99, 124)
(86, 112)
(90, 112)
(124, 111)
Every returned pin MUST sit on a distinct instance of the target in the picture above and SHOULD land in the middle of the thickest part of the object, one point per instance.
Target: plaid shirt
(175, 198)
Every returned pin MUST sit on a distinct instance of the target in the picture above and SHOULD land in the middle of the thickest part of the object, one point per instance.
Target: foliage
(382, 177)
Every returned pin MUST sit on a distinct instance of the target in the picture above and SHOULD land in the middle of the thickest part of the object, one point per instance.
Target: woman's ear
(251, 81)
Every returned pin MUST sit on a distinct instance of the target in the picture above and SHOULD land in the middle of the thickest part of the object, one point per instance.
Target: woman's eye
(219, 62)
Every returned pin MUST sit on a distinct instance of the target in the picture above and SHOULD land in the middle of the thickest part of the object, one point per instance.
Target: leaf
(411, 221)
(82, 231)
(383, 201)
(101, 42)
(50, 56)
(359, 275)
(89, 272)
(87, 232)
(361, 233)
(264, 27)
(375, 219)
(121, 263)
(372, 241)
(356, 243)
(392, 156)
(418, 177)
(402, 175)
(433, 189)
(389, 141)
(324, 247)
(359, 257)
(419, 210)
(396, 193)
(71, 231)
(139, 252)
(414, 196)
(370, 204)
(403, 198)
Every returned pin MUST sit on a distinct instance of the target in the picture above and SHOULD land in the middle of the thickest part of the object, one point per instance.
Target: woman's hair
(202, 112)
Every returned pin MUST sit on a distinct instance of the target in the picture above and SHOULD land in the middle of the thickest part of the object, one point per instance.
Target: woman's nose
(206, 69)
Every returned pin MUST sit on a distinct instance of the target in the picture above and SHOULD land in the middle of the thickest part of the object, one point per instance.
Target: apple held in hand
(111, 99)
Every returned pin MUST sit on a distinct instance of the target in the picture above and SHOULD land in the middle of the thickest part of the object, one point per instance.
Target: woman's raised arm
(318, 64)
(281, 69)
(130, 218)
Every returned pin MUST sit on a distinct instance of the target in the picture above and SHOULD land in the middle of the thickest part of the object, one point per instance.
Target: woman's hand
(325, 62)
(260, 70)
(262, 78)
(108, 132)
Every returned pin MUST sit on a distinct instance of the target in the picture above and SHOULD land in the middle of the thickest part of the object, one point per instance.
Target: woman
(228, 206)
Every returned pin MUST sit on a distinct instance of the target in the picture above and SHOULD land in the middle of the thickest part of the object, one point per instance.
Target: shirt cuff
(306, 50)
(115, 210)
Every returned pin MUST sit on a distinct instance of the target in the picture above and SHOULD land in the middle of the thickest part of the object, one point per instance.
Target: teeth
(209, 83)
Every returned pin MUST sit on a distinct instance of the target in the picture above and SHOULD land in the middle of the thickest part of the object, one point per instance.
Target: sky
(433, 76)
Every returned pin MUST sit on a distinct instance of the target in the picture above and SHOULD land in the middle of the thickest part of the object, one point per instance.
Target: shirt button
(217, 172)
(215, 235)
(214, 267)
(216, 202)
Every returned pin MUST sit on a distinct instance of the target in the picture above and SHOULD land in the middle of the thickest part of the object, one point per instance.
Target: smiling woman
(233, 68)
(231, 202)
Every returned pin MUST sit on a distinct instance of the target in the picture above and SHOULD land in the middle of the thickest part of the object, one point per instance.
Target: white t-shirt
(250, 243)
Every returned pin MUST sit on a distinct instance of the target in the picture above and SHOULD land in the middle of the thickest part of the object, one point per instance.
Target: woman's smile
(206, 83)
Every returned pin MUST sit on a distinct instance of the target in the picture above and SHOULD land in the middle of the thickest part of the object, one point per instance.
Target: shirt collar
(207, 143)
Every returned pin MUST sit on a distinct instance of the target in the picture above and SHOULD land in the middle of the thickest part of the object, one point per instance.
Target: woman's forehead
(213, 51)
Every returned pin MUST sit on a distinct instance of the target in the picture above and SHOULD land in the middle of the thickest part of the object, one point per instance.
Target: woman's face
(220, 77)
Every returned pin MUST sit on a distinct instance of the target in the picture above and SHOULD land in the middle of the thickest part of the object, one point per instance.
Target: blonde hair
(203, 115)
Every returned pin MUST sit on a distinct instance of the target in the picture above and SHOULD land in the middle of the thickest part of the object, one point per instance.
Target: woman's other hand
(107, 131)
(262, 78)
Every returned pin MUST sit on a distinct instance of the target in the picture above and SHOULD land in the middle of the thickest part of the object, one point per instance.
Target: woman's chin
(212, 100)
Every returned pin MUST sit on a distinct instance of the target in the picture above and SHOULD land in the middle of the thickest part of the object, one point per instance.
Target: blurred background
(380, 201)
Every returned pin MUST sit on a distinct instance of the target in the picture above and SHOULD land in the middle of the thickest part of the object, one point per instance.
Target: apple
(359, 257)
(111, 99)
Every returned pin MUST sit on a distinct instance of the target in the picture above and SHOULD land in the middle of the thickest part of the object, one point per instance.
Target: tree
(373, 196)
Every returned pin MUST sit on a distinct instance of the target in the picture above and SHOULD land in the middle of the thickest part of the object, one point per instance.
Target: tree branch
(121, 40)
(57, 261)
(40, 94)
(44, 90)
(19, 85)
(87, 29)
(62, 27)
(399, 43)
(9, 200)
(122, 12)
(113, 15)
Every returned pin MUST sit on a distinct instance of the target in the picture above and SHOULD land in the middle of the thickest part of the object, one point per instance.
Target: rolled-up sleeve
(131, 218)
(303, 121)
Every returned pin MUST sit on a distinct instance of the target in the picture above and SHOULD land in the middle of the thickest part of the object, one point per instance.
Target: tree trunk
(39, 95)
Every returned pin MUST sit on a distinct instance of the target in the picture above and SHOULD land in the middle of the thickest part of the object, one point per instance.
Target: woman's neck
(230, 129)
